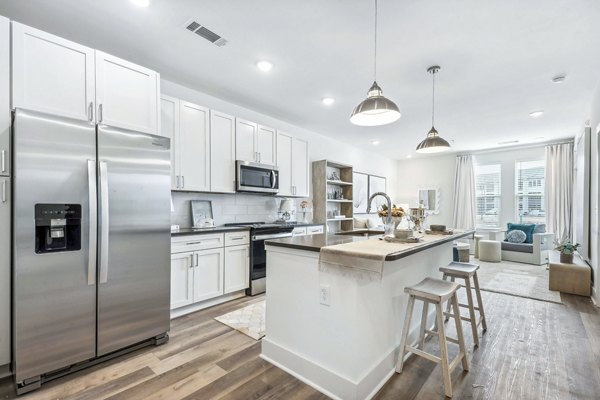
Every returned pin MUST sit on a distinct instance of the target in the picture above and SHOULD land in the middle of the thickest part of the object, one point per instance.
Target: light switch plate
(325, 295)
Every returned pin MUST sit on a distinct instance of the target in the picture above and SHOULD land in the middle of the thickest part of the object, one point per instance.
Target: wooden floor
(532, 350)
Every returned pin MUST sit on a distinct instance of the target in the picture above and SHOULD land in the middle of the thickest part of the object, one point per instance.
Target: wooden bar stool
(467, 271)
(434, 291)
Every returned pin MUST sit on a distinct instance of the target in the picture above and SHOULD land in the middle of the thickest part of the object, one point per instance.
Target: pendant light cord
(375, 47)
(432, 98)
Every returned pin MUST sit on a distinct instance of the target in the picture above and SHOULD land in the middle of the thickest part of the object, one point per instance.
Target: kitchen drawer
(237, 238)
(299, 231)
(314, 230)
(197, 242)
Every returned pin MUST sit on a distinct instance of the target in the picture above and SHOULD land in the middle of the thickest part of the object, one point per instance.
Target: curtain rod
(508, 148)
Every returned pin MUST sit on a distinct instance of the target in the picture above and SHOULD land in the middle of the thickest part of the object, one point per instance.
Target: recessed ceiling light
(141, 3)
(536, 114)
(409, 156)
(559, 78)
(264, 66)
(375, 142)
(328, 101)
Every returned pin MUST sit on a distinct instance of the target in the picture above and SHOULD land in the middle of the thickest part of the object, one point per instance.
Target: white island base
(346, 349)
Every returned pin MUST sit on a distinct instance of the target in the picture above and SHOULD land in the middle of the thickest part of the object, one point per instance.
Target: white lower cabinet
(208, 274)
(182, 279)
(237, 274)
(205, 267)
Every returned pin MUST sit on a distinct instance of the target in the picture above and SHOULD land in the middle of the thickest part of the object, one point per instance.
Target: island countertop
(316, 242)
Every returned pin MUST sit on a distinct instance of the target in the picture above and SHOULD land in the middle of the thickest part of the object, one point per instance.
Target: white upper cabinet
(4, 97)
(194, 147)
(284, 162)
(266, 139)
(300, 166)
(245, 140)
(126, 94)
(169, 127)
(222, 152)
(293, 163)
(51, 74)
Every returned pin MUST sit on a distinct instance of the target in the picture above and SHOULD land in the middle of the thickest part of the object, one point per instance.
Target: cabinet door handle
(182, 181)
(4, 191)
(3, 160)
(259, 157)
(91, 111)
(100, 116)
(177, 181)
(192, 260)
(197, 259)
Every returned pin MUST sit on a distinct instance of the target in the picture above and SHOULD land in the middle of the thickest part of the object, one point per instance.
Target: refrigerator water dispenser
(57, 228)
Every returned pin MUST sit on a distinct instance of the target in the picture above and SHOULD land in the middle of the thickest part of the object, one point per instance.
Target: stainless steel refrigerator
(91, 241)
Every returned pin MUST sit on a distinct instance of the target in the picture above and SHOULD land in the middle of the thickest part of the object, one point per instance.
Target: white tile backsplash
(228, 208)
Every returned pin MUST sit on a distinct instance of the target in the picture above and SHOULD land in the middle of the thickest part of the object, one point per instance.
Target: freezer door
(54, 292)
(134, 187)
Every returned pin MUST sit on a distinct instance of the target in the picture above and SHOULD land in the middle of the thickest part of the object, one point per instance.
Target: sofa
(533, 251)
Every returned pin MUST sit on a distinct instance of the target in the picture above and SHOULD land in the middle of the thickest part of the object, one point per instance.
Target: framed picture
(202, 215)
(376, 184)
(360, 189)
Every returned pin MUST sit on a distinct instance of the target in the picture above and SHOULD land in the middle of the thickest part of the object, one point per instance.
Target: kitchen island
(336, 328)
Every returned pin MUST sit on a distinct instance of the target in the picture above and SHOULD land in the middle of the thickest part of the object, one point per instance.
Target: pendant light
(433, 143)
(375, 110)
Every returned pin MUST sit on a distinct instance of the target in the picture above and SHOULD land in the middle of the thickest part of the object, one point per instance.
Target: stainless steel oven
(255, 177)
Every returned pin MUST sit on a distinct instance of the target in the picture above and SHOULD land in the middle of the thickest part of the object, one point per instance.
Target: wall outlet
(325, 295)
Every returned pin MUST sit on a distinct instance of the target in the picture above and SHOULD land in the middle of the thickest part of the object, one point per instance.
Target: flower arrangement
(565, 246)
(397, 212)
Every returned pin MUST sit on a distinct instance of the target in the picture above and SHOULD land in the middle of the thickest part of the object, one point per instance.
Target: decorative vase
(566, 258)
(395, 221)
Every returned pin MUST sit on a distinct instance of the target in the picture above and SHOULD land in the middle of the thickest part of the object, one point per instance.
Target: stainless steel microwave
(255, 177)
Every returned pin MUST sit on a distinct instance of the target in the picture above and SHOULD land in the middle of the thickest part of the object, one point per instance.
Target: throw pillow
(540, 228)
(516, 236)
(527, 228)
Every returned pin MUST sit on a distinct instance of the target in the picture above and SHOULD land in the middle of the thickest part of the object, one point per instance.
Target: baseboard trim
(178, 312)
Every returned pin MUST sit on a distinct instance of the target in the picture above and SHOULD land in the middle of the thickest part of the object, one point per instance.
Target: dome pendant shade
(433, 143)
(375, 110)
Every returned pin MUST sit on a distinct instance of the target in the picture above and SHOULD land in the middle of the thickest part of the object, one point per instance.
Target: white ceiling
(497, 59)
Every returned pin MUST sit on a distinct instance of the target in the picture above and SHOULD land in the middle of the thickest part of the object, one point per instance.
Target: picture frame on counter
(202, 214)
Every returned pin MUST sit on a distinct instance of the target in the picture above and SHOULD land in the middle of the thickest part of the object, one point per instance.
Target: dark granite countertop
(316, 242)
(216, 229)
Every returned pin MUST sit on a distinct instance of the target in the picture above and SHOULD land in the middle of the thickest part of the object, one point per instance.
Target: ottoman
(489, 250)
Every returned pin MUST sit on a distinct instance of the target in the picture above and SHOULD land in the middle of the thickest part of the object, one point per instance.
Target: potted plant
(566, 249)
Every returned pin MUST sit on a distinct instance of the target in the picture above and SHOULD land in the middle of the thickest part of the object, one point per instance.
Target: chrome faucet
(388, 219)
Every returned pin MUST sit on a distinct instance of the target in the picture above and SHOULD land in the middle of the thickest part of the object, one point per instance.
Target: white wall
(438, 172)
(320, 147)
(594, 187)
(427, 173)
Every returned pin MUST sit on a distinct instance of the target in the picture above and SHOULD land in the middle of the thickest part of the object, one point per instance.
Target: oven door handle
(266, 237)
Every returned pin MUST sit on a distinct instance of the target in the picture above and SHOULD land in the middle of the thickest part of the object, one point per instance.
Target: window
(487, 192)
(529, 178)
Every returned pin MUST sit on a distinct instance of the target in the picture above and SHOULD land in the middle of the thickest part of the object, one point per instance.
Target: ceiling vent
(206, 33)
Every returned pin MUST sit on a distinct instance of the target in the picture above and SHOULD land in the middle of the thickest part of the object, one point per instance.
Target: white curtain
(559, 189)
(464, 193)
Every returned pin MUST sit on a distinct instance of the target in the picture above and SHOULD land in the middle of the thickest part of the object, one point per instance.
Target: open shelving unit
(331, 196)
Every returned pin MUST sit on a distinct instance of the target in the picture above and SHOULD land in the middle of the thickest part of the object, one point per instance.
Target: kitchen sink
(362, 232)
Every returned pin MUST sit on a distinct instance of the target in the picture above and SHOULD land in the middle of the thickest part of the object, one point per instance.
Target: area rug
(249, 320)
(523, 280)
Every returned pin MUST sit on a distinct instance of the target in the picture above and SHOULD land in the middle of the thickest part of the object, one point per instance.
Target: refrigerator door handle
(93, 222)
(104, 222)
